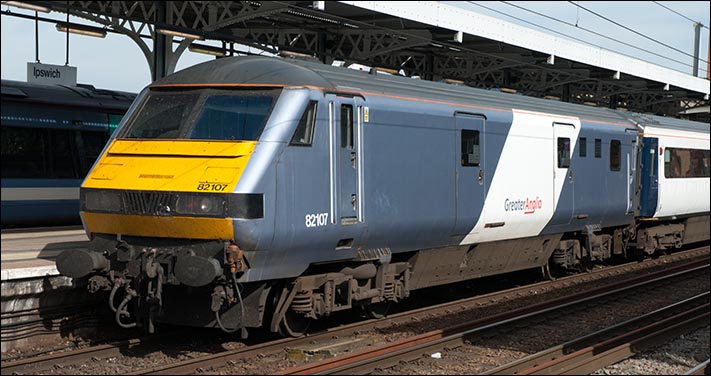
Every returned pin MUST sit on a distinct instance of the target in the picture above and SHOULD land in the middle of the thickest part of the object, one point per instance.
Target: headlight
(102, 201)
(201, 204)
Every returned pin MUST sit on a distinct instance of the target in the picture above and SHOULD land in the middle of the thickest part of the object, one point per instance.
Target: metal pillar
(159, 45)
(697, 39)
(708, 56)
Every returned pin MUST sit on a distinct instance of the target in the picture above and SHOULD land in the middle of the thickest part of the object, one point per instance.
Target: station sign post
(51, 74)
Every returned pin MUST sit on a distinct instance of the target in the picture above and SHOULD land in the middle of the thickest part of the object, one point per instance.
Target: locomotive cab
(166, 204)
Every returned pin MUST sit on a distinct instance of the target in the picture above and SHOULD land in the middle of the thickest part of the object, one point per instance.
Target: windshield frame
(188, 124)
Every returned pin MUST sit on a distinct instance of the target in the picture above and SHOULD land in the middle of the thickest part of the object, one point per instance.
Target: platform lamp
(209, 50)
(177, 33)
(81, 29)
(23, 5)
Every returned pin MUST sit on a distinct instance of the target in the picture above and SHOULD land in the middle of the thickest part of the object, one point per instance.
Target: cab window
(304, 134)
(204, 114)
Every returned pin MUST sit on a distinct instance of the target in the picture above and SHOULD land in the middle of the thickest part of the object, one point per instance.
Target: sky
(648, 32)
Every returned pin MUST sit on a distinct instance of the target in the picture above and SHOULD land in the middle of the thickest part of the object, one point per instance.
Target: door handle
(481, 176)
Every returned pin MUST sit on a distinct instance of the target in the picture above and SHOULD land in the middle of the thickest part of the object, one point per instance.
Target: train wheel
(586, 265)
(377, 310)
(551, 272)
(294, 324)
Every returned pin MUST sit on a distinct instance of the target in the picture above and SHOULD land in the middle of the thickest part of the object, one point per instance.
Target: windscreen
(204, 114)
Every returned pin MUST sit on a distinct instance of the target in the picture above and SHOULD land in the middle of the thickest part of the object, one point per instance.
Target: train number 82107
(215, 187)
(315, 220)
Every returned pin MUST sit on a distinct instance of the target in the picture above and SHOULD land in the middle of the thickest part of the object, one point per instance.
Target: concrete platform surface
(30, 253)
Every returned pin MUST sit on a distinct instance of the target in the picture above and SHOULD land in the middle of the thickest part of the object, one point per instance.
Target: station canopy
(424, 40)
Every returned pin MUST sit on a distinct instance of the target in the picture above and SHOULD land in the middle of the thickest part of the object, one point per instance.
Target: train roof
(68, 96)
(271, 71)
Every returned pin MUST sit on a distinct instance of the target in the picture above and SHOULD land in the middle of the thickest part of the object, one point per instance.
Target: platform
(30, 253)
(34, 292)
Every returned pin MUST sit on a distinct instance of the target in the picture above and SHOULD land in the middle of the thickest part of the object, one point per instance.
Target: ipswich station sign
(51, 74)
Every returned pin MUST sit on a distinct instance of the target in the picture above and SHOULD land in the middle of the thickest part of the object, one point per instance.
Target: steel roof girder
(247, 12)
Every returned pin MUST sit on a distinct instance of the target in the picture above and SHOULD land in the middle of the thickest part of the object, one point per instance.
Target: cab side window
(304, 134)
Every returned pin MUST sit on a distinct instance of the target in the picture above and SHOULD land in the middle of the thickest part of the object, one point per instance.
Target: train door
(649, 177)
(347, 168)
(471, 177)
(564, 137)
(631, 158)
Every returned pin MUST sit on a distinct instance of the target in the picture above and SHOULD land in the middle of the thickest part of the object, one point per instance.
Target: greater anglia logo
(528, 206)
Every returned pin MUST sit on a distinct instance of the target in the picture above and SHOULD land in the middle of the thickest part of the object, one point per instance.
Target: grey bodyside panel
(598, 195)
(409, 174)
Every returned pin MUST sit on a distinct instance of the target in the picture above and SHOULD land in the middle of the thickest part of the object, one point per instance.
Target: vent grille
(149, 203)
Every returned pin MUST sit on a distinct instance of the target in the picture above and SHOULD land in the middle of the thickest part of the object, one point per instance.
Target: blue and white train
(51, 136)
(254, 191)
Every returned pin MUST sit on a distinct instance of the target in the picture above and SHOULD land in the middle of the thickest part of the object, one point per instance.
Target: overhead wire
(633, 31)
(673, 11)
(576, 26)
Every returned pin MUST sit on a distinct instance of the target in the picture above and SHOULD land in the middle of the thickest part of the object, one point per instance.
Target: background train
(51, 136)
(256, 191)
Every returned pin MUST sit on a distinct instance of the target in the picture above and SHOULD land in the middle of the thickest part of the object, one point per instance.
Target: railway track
(277, 348)
(367, 360)
(594, 351)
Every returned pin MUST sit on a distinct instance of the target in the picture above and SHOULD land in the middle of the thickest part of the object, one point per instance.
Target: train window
(91, 145)
(24, 152)
(232, 117)
(470, 148)
(598, 148)
(615, 155)
(304, 134)
(61, 158)
(686, 163)
(563, 152)
(347, 126)
(583, 146)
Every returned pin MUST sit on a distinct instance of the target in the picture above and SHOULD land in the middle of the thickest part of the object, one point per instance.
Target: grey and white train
(263, 192)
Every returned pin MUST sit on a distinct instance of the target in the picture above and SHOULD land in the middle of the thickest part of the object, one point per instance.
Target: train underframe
(196, 283)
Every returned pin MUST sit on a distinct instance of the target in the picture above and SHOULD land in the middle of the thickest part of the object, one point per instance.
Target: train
(264, 192)
(51, 136)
